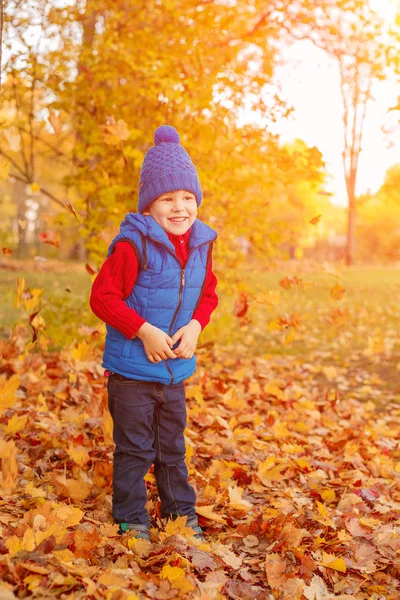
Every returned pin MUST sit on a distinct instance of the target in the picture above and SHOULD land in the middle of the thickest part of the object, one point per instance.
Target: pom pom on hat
(166, 133)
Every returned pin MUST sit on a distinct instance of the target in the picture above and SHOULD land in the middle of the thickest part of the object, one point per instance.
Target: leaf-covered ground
(298, 485)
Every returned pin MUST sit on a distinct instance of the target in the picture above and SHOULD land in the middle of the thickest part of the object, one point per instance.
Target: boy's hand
(157, 344)
(188, 336)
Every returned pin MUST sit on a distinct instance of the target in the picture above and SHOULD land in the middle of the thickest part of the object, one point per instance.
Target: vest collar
(200, 233)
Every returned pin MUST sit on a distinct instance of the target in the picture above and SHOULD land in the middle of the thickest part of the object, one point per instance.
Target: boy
(156, 292)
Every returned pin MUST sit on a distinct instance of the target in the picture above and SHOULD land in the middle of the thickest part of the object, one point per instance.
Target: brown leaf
(275, 567)
(241, 305)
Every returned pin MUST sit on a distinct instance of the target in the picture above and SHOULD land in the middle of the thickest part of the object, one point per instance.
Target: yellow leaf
(290, 337)
(328, 496)
(376, 345)
(34, 187)
(107, 426)
(337, 292)
(178, 526)
(79, 454)
(15, 424)
(4, 168)
(34, 491)
(28, 541)
(20, 289)
(9, 467)
(207, 511)
(83, 352)
(33, 581)
(69, 514)
(48, 532)
(303, 463)
(229, 557)
(333, 562)
(273, 390)
(14, 544)
(177, 578)
(236, 501)
(271, 297)
(108, 578)
(64, 555)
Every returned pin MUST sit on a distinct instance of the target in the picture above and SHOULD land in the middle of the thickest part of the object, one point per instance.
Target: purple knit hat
(167, 167)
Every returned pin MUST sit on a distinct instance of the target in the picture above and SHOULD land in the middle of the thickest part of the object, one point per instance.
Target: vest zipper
(180, 288)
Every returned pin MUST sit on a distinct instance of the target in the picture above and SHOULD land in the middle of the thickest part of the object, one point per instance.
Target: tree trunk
(351, 241)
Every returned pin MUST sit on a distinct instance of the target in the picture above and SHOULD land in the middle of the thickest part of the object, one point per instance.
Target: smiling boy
(156, 292)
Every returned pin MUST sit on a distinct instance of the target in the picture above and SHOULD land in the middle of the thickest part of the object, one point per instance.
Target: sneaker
(141, 531)
(193, 523)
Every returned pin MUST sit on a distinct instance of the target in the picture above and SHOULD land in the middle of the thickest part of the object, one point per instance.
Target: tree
(358, 42)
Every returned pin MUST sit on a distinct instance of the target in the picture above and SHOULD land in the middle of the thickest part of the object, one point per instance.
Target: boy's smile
(174, 211)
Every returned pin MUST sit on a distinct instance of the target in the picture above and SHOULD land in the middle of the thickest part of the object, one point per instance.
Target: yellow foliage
(333, 562)
(9, 467)
(15, 424)
(177, 578)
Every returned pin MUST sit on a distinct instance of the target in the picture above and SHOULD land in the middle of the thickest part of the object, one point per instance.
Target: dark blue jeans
(149, 420)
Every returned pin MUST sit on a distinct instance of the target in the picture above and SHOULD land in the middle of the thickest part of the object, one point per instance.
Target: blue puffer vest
(165, 294)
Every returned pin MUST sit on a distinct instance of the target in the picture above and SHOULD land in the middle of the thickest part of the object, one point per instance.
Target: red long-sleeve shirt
(117, 277)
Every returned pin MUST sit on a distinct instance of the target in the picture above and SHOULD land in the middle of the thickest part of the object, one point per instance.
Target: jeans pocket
(118, 381)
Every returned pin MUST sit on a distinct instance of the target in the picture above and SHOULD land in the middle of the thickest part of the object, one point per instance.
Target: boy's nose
(178, 205)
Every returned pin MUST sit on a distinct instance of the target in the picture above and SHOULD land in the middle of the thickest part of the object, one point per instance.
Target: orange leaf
(337, 292)
(315, 220)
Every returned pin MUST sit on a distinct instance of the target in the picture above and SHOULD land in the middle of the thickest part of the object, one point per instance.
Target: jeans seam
(166, 466)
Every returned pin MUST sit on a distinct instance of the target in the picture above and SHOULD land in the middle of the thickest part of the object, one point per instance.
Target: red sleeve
(112, 286)
(209, 299)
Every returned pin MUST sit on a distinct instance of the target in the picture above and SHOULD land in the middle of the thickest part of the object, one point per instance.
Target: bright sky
(309, 82)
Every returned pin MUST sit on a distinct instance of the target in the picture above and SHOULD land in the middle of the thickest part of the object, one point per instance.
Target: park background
(290, 112)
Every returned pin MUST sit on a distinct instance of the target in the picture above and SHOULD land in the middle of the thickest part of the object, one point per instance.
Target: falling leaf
(315, 220)
(50, 237)
(70, 207)
(90, 269)
(7, 251)
(241, 305)
(337, 292)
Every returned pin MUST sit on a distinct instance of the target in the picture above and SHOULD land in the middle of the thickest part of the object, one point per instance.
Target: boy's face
(174, 211)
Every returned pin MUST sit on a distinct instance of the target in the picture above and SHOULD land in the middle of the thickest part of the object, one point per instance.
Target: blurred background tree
(87, 83)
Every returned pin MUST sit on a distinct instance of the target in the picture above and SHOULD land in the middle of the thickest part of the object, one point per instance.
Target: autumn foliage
(298, 488)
